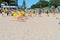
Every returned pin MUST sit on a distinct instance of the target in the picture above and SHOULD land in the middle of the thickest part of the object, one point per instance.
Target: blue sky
(28, 2)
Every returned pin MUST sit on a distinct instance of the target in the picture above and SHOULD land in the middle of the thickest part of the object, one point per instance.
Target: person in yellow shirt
(21, 16)
(35, 13)
(6, 10)
(19, 13)
(30, 13)
(13, 13)
(23, 13)
(3, 9)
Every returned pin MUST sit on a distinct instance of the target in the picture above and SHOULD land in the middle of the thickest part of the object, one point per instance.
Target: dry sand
(36, 28)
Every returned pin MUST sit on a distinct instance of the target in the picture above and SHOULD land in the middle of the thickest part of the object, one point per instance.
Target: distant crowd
(24, 14)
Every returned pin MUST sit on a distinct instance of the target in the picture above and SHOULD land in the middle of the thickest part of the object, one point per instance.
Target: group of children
(19, 14)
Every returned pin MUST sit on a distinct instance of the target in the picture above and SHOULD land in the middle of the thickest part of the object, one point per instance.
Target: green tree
(33, 6)
(41, 4)
(55, 3)
(44, 4)
(8, 1)
(0, 2)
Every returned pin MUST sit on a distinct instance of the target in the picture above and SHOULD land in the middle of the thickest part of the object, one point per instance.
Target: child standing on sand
(13, 13)
(40, 11)
(19, 14)
(3, 13)
(35, 13)
(23, 13)
(26, 13)
(30, 13)
(47, 13)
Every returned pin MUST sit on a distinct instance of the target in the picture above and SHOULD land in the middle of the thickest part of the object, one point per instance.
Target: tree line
(43, 3)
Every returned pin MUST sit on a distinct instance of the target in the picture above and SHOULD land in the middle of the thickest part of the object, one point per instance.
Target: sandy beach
(36, 28)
